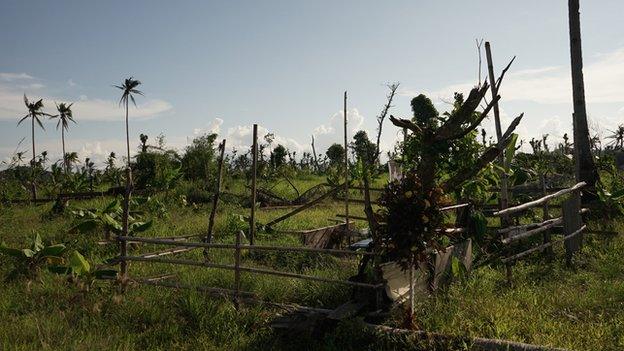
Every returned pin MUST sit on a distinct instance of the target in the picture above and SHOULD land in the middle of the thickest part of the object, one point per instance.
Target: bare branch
(384, 112)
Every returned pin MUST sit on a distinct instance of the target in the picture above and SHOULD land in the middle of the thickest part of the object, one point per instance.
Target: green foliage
(423, 109)
(29, 261)
(198, 160)
(278, 156)
(109, 218)
(81, 271)
(335, 154)
(157, 170)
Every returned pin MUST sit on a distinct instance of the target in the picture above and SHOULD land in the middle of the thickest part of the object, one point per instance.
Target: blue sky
(222, 66)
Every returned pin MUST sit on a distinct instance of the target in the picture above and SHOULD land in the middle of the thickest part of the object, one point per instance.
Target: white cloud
(552, 85)
(336, 122)
(9, 77)
(71, 83)
(85, 109)
(213, 127)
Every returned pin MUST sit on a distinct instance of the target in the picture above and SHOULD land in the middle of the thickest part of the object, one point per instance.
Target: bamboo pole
(244, 247)
(504, 199)
(539, 201)
(544, 246)
(250, 270)
(254, 165)
(346, 166)
(171, 251)
(217, 292)
(237, 261)
(546, 225)
(303, 207)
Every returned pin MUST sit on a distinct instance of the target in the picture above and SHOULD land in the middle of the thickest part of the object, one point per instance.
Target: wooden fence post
(571, 223)
(237, 259)
(215, 199)
(504, 198)
(545, 216)
(254, 165)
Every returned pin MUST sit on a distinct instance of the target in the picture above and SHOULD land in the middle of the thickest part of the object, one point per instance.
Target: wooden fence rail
(570, 220)
(243, 247)
(539, 201)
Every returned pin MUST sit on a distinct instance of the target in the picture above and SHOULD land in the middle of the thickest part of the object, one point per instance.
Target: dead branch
(405, 123)
(380, 119)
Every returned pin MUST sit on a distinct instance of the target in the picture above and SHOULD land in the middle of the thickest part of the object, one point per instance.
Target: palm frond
(23, 118)
(39, 122)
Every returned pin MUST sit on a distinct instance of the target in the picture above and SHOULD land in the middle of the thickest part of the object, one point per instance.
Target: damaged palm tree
(406, 228)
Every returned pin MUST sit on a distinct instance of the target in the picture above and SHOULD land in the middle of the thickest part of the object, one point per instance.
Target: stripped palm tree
(65, 115)
(128, 87)
(618, 137)
(35, 111)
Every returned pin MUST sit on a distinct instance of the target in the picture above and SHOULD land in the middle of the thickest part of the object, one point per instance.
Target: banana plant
(109, 219)
(81, 272)
(30, 260)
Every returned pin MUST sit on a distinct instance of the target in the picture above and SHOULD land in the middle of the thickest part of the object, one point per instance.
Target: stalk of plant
(128, 87)
(65, 115)
(34, 112)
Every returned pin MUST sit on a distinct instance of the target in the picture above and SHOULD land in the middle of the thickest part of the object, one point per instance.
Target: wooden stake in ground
(215, 199)
(254, 165)
(346, 167)
(237, 261)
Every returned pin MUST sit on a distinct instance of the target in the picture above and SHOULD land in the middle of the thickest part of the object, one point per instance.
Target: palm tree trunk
(32, 162)
(123, 244)
(64, 155)
(585, 167)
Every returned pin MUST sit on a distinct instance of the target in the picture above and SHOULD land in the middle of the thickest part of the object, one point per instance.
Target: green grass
(549, 304)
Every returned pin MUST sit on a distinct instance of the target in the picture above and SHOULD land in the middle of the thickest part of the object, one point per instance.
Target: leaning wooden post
(346, 168)
(237, 260)
(215, 199)
(504, 198)
(254, 165)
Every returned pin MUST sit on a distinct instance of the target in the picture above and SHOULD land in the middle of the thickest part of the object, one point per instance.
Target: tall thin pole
(504, 199)
(585, 169)
(254, 165)
(123, 266)
(215, 199)
(346, 167)
(32, 163)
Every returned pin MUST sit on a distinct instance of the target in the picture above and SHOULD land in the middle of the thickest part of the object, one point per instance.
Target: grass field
(581, 309)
